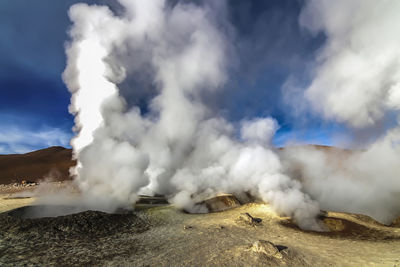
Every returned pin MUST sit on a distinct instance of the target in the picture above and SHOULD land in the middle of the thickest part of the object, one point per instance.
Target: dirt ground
(165, 236)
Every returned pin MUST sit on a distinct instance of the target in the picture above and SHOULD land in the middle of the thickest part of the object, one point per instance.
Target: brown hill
(53, 162)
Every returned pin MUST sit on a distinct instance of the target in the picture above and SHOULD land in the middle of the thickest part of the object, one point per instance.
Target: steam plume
(178, 147)
(171, 56)
(357, 78)
(356, 81)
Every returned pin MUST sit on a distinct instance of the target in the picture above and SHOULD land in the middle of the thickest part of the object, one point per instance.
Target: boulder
(246, 218)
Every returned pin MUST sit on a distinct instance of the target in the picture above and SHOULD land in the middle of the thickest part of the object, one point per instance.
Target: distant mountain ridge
(52, 162)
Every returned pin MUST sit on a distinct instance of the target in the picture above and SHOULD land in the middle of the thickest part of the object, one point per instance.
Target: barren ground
(165, 236)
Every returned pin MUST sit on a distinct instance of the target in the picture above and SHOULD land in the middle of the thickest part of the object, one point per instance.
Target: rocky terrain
(157, 234)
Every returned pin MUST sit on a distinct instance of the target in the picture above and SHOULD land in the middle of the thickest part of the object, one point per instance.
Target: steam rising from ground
(177, 146)
(365, 182)
(356, 81)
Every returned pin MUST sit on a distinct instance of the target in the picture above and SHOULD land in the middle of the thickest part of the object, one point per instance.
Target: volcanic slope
(53, 162)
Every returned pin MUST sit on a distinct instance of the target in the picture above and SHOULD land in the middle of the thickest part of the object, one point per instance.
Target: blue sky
(269, 43)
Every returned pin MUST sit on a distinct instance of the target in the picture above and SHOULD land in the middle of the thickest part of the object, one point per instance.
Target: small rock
(267, 248)
(187, 227)
(250, 220)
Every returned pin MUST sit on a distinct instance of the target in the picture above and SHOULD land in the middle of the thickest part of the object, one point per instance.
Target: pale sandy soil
(8, 202)
(10, 197)
(218, 238)
(13, 196)
(174, 238)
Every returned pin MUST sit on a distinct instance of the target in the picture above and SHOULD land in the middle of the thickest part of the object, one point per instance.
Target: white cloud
(19, 140)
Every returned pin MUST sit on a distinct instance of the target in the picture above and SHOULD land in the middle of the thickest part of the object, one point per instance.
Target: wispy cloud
(20, 140)
(332, 135)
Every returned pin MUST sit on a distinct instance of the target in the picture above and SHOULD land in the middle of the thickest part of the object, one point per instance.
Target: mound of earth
(85, 238)
(349, 225)
(221, 203)
(77, 225)
(36, 165)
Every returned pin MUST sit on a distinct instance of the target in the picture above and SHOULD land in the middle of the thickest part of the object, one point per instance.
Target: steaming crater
(44, 209)
(53, 221)
(40, 211)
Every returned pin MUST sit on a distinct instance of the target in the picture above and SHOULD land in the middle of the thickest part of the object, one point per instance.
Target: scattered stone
(187, 227)
(250, 220)
(267, 248)
(28, 183)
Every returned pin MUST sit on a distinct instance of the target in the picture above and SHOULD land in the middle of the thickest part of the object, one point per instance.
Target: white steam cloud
(356, 81)
(179, 147)
(357, 78)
